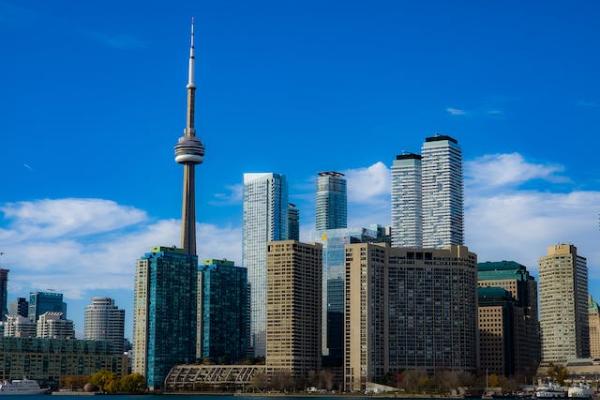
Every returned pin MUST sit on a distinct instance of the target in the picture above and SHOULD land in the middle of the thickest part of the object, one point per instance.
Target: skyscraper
(53, 325)
(105, 321)
(563, 305)
(41, 302)
(442, 191)
(293, 222)
(223, 312)
(19, 307)
(265, 220)
(294, 307)
(407, 213)
(4, 293)
(332, 208)
(166, 278)
(594, 323)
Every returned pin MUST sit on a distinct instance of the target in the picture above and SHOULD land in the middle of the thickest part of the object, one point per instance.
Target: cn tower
(189, 151)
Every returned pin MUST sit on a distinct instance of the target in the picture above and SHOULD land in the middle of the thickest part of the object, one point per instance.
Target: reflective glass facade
(332, 208)
(41, 302)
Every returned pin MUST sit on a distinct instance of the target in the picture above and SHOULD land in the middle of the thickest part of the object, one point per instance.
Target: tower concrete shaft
(189, 151)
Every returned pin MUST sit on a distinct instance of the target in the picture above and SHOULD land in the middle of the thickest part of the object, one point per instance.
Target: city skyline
(107, 219)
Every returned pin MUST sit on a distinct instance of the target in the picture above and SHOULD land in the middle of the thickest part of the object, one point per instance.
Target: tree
(259, 381)
(326, 379)
(73, 382)
(282, 381)
(414, 380)
(103, 380)
(493, 380)
(132, 383)
(557, 373)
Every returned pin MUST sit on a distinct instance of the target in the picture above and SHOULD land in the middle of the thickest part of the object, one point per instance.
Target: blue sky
(92, 100)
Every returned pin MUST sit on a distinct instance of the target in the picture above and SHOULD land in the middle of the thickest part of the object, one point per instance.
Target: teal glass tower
(41, 302)
(223, 312)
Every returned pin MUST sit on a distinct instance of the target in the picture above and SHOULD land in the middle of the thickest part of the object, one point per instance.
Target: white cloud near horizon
(455, 111)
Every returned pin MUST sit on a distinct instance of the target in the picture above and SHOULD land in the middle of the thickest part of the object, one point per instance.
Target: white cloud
(76, 245)
(455, 111)
(368, 185)
(234, 194)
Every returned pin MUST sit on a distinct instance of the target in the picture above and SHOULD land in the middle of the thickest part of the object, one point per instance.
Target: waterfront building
(408, 308)
(103, 320)
(442, 192)
(563, 305)
(52, 325)
(223, 312)
(19, 307)
(332, 201)
(594, 327)
(497, 331)
(265, 220)
(407, 207)
(515, 278)
(3, 293)
(293, 222)
(42, 302)
(19, 326)
(294, 307)
(334, 242)
(49, 360)
(165, 289)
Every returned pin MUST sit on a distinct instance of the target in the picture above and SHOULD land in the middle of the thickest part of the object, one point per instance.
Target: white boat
(21, 386)
(580, 391)
(550, 390)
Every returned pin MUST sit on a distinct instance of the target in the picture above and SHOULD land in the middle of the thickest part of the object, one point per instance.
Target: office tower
(332, 201)
(105, 321)
(294, 307)
(165, 286)
(515, 278)
(496, 331)
(408, 308)
(19, 307)
(19, 326)
(442, 191)
(293, 222)
(407, 218)
(41, 302)
(265, 220)
(334, 264)
(594, 326)
(4, 293)
(223, 312)
(563, 305)
(52, 325)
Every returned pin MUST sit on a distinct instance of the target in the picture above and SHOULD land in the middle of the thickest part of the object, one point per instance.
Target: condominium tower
(293, 222)
(332, 207)
(41, 302)
(265, 220)
(19, 307)
(407, 218)
(408, 308)
(294, 307)
(105, 321)
(3, 293)
(594, 326)
(19, 326)
(52, 325)
(563, 305)
(442, 191)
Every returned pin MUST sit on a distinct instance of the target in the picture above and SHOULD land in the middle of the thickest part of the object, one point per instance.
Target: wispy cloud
(27, 166)
(455, 111)
(233, 195)
(118, 41)
(495, 112)
(588, 104)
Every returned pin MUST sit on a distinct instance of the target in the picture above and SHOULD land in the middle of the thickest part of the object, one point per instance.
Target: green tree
(132, 383)
(103, 380)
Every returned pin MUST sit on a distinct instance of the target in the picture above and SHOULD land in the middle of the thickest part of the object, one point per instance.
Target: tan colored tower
(189, 151)
(563, 305)
(294, 273)
(594, 323)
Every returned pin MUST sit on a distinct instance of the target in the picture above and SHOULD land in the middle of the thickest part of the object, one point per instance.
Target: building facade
(4, 293)
(563, 305)
(18, 326)
(103, 320)
(293, 222)
(294, 307)
(42, 302)
(48, 360)
(594, 327)
(515, 278)
(19, 307)
(407, 207)
(332, 201)
(223, 312)
(165, 313)
(265, 220)
(442, 192)
(408, 308)
(51, 325)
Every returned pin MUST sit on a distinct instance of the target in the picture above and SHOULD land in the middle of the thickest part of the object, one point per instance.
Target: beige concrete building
(594, 326)
(294, 276)
(563, 305)
(408, 308)
(140, 317)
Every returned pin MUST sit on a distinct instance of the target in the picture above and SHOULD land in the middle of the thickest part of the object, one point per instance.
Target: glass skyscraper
(407, 212)
(265, 220)
(442, 190)
(4, 293)
(332, 201)
(223, 312)
(164, 312)
(293, 222)
(42, 302)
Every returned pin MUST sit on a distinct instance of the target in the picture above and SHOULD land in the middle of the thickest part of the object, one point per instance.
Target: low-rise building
(18, 326)
(52, 325)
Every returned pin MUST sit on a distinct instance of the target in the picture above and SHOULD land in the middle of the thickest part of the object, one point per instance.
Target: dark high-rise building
(4, 292)
(293, 222)
(223, 312)
(42, 302)
(166, 277)
(19, 307)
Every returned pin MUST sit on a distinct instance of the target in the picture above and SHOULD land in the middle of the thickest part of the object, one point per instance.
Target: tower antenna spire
(191, 82)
